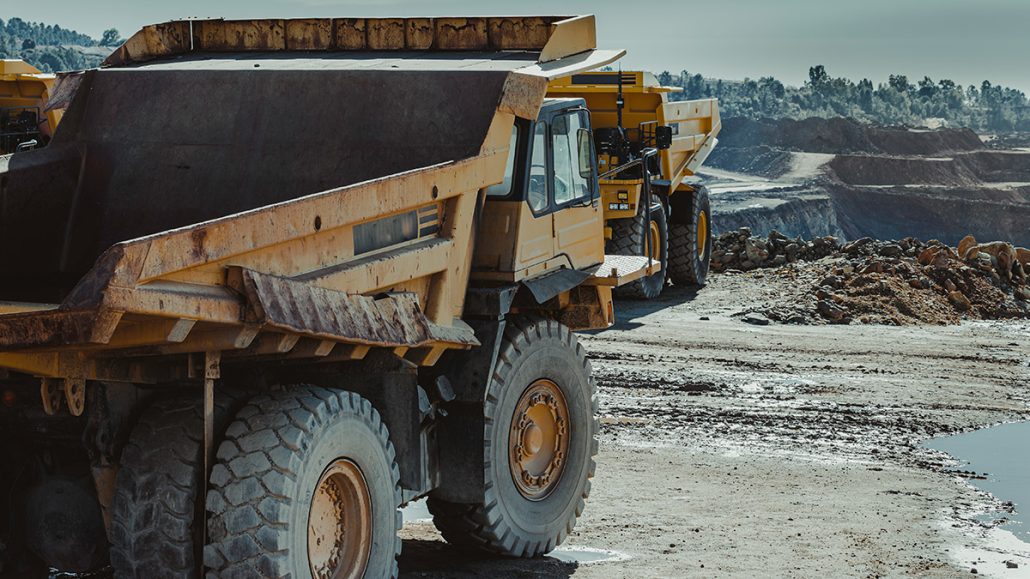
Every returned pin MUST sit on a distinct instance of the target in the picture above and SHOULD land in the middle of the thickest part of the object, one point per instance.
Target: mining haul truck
(639, 130)
(25, 120)
(274, 279)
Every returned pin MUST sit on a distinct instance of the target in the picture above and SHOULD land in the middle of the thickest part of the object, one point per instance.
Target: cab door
(577, 217)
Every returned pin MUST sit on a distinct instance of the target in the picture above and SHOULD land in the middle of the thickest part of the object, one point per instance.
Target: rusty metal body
(292, 188)
(251, 202)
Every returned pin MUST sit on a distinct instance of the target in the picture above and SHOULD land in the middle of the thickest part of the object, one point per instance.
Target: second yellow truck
(663, 216)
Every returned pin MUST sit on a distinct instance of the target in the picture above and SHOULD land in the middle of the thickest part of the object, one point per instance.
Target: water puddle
(1003, 453)
(587, 555)
(417, 512)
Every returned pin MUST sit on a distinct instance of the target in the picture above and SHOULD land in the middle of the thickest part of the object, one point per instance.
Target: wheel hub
(340, 523)
(539, 440)
(656, 239)
(702, 233)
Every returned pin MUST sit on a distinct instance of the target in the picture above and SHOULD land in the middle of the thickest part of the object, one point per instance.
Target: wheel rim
(702, 233)
(656, 239)
(538, 440)
(340, 523)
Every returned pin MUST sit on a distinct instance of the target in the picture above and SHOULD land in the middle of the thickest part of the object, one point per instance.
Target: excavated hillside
(838, 177)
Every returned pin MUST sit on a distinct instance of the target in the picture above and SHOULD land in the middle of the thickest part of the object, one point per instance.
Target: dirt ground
(734, 450)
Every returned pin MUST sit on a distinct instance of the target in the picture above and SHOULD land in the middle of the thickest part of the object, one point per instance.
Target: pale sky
(965, 40)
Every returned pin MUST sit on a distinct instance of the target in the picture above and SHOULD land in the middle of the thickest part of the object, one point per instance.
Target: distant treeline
(984, 108)
(51, 48)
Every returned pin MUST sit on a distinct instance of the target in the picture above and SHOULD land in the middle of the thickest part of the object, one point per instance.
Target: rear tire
(156, 520)
(687, 265)
(512, 519)
(281, 457)
(628, 238)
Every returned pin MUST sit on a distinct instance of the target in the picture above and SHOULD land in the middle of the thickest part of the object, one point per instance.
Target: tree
(665, 78)
(927, 88)
(110, 38)
(898, 82)
(817, 75)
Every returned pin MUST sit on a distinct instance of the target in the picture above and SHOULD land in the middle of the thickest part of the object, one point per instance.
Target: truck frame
(287, 276)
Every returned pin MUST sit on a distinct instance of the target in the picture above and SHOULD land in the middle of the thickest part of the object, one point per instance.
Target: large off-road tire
(540, 366)
(628, 238)
(156, 519)
(690, 239)
(306, 463)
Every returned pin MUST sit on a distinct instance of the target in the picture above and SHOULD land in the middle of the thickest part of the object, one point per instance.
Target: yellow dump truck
(25, 122)
(647, 146)
(273, 279)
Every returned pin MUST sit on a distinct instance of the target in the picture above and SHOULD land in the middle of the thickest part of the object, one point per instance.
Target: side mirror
(586, 154)
(663, 136)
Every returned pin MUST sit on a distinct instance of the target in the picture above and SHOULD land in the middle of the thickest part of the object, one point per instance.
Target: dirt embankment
(881, 182)
(966, 170)
(840, 135)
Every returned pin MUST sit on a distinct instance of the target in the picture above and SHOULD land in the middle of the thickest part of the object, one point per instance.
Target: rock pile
(740, 250)
(888, 282)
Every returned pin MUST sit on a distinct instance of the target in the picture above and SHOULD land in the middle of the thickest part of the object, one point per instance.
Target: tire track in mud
(857, 404)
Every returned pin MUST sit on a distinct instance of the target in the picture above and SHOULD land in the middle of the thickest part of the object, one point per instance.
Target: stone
(960, 301)
(832, 281)
(755, 318)
(891, 250)
(949, 285)
(856, 245)
(874, 267)
(968, 242)
(831, 311)
(756, 251)
(1023, 256)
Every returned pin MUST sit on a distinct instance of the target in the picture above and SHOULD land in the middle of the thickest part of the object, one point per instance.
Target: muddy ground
(729, 449)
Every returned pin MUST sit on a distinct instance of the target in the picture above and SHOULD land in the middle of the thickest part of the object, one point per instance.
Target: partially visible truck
(670, 221)
(25, 122)
(273, 279)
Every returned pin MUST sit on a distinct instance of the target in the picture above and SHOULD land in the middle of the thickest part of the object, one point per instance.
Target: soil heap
(898, 282)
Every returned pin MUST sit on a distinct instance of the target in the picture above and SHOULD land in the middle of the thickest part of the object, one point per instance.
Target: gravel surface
(732, 449)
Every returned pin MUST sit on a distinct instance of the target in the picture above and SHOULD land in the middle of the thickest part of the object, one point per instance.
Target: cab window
(537, 187)
(571, 182)
(503, 188)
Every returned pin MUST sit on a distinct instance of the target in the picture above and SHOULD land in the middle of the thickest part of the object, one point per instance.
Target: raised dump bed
(284, 240)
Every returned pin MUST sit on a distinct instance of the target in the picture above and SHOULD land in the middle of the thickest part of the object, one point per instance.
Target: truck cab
(546, 214)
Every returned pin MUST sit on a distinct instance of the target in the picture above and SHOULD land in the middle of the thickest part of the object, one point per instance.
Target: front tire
(690, 240)
(306, 484)
(629, 238)
(541, 386)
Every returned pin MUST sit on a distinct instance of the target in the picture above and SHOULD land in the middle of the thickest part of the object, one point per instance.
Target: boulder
(959, 300)
(968, 242)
